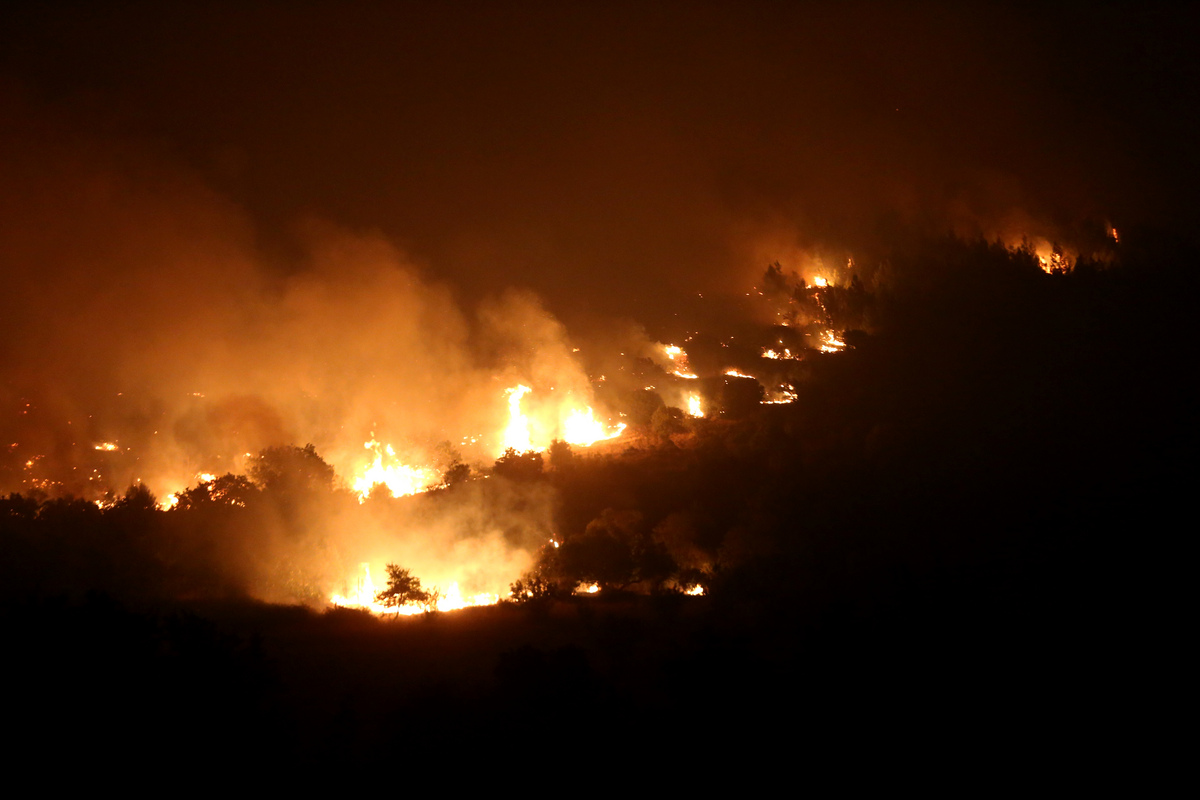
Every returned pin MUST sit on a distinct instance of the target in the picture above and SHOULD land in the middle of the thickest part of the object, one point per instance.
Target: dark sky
(610, 155)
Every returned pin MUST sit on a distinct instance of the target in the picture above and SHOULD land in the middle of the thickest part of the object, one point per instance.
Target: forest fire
(399, 478)
(679, 358)
(343, 410)
(578, 427)
(583, 429)
(366, 595)
(831, 343)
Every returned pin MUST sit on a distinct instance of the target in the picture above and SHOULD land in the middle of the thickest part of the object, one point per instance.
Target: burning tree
(404, 589)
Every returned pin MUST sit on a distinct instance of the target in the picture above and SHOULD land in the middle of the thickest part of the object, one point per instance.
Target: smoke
(141, 313)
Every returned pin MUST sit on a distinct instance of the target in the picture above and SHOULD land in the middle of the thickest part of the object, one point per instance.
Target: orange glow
(400, 479)
(582, 428)
(364, 591)
(679, 357)
(694, 407)
(578, 426)
(830, 343)
(516, 435)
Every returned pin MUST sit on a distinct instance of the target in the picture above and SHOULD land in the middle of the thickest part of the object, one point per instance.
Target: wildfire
(679, 357)
(516, 435)
(108, 447)
(830, 343)
(579, 427)
(400, 479)
(779, 355)
(694, 407)
(733, 373)
(364, 592)
(582, 428)
(820, 282)
(785, 394)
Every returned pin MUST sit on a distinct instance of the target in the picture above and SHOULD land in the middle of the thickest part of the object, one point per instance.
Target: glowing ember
(830, 343)
(694, 407)
(677, 355)
(779, 355)
(400, 479)
(785, 394)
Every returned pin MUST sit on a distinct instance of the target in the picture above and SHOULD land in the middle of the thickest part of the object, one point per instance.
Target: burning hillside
(466, 487)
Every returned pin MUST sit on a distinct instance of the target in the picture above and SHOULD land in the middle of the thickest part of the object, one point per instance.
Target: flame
(108, 447)
(400, 479)
(579, 426)
(582, 428)
(363, 593)
(695, 591)
(733, 373)
(694, 408)
(779, 355)
(677, 355)
(820, 282)
(785, 394)
(587, 588)
(831, 343)
(516, 435)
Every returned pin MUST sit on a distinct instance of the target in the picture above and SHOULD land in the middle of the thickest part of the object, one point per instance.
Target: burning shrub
(404, 589)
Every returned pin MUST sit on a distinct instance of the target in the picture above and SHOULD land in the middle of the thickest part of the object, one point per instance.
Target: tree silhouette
(289, 469)
(519, 466)
(404, 589)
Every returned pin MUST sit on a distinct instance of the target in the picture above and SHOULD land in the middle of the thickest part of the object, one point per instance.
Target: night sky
(610, 156)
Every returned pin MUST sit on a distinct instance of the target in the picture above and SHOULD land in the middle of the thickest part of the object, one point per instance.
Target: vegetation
(945, 525)
(404, 589)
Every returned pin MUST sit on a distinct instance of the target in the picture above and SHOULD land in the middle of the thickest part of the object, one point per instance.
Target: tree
(667, 421)
(456, 473)
(532, 586)
(519, 466)
(560, 454)
(291, 469)
(404, 589)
